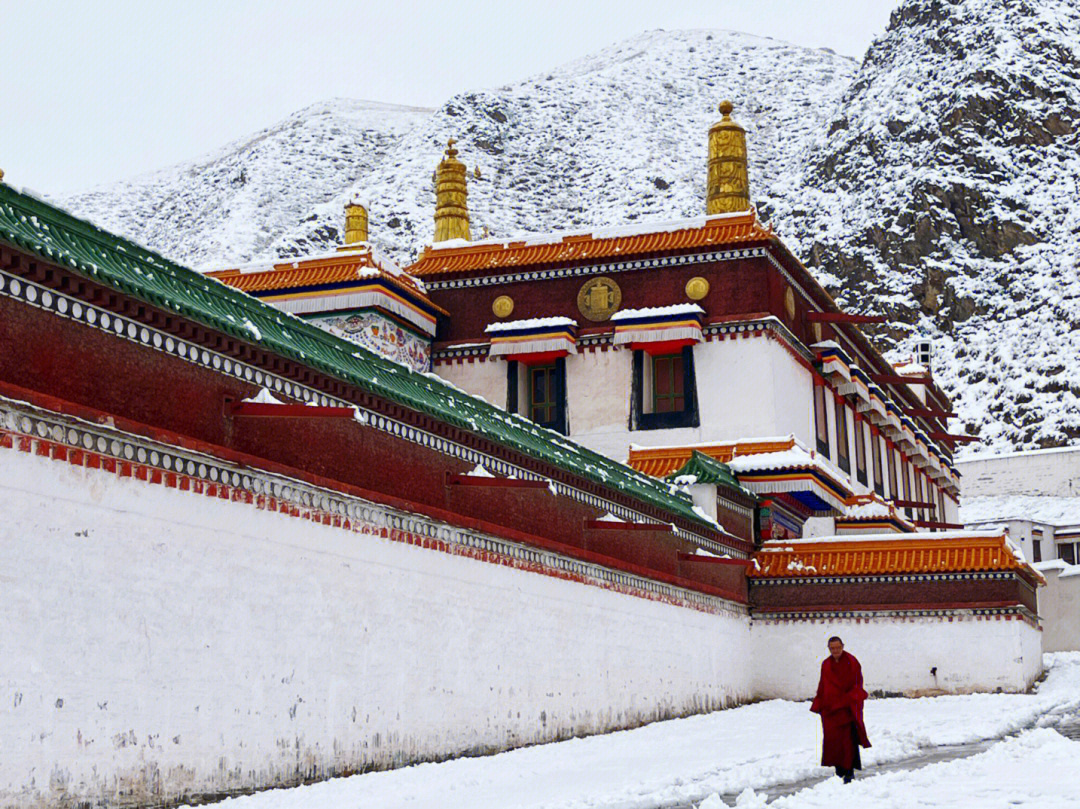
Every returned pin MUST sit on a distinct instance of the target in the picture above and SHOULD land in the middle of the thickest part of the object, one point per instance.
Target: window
(1067, 552)
(664, 392)
(821, 419)
(918, 487)
(941, 504)
(892, 472)
(542, 405)
(842, 452)
(1036, 546)
(538, 392)
(906, 482)
(875, 451)
(860, 451)
(668, 385)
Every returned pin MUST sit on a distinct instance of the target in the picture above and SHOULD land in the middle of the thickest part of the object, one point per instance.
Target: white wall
(1059, 606)
(749, 387)
(598, 400)
(1051, 471)
(485, 379)
(159, 644)
(896, 654)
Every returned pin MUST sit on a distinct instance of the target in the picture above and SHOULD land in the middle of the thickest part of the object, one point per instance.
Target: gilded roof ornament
(729, 185)
(451, 208)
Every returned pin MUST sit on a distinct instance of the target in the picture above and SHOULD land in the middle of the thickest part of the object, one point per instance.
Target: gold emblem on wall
(816, 330)
(697, 288)
(599, 298)
(502, 306)
(789, 303)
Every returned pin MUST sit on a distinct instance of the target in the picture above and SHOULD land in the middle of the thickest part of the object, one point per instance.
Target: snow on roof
(656, 311)
(530, 323)
(781, 544)
(1046, 509)
(870, 509)
(554, 237)
(798, 455)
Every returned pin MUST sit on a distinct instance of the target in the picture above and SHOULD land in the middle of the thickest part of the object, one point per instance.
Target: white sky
(98, 91)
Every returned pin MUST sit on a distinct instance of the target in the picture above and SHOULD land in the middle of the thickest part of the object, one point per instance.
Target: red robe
(839, 700)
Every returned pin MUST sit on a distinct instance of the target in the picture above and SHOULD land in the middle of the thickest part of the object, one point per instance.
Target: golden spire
(729, 187)
(1, 175)
(356, 222)
(451, 211)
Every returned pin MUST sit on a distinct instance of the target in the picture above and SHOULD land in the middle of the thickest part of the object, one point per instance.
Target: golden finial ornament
(729, 185)
(356, 222)
(1, 175)
(451, 210)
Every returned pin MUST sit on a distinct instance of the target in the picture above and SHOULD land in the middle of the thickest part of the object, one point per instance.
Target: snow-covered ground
(750, 748)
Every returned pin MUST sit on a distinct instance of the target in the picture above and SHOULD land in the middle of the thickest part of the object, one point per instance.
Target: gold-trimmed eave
(373, 293)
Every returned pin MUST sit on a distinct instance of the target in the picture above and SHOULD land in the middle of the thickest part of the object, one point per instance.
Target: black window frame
(1067, 556)
(821, 417)
(687, 417)
(875, 454)
(843, 458)
(860, 448)
(560, 423)
(890, 455)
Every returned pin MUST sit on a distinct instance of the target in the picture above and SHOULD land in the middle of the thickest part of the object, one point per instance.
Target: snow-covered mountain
(237, 202)
(936, 182)
(943, 192)
(613, 138)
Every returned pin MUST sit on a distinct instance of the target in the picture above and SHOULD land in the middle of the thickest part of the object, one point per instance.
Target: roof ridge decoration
(493, 255)
(706, 469)
(36, 227)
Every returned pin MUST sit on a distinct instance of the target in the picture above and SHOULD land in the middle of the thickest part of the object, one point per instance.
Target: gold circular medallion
(599, 298)
(502, 306)
(789, 303)
(816, 329)
(697, 288)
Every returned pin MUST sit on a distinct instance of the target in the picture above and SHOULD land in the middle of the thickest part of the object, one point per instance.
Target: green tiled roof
(33, 226)
(709, 470)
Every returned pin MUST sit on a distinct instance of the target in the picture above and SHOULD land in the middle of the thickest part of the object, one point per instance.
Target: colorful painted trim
(535, 340)
(372, 293)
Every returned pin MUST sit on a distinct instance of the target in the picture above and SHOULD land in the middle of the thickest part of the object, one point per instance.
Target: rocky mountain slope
(613, 138)
(935, 182)
(943, 192)
(236, 203)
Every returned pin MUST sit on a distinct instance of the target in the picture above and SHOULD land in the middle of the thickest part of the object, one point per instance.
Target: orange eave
(314, 272)
(725, 229)
(659, 462)
(800, 560)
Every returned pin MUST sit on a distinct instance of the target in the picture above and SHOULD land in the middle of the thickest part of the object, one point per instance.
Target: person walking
(839, 701)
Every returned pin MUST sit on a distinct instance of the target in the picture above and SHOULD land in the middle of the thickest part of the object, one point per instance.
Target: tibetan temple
(632, 472)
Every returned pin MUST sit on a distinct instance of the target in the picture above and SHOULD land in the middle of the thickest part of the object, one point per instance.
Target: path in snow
(763, 746)
(1069, 727)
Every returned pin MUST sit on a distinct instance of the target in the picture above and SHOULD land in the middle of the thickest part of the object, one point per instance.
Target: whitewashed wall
(1048, 471)
(158, 643)
(598, 387)
(1059, 606)
(484, 379)
(971, 654)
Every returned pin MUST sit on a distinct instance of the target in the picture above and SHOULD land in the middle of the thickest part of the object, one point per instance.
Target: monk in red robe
(839, 700)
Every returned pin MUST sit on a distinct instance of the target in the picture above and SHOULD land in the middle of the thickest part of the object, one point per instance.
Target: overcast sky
(95, 91)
